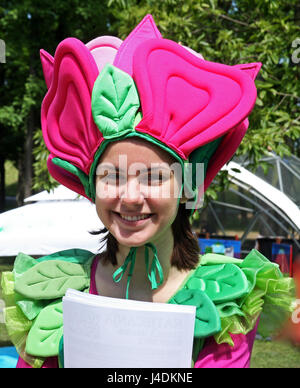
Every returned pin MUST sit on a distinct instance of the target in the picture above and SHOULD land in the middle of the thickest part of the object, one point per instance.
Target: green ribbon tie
(155, 269)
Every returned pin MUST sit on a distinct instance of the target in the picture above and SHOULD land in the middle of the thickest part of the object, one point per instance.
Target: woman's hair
(186, 248)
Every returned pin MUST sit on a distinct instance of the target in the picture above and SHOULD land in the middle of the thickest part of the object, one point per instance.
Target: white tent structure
(55, 221)
(60, 193)
(267, 203)
(273, 197)
(282, 173)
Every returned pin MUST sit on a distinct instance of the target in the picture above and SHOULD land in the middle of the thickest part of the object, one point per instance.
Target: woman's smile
(133, 219)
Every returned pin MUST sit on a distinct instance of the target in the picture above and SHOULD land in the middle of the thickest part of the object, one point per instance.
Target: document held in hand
(102, 332)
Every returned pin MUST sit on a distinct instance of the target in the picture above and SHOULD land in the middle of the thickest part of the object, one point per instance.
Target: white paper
(102, 332)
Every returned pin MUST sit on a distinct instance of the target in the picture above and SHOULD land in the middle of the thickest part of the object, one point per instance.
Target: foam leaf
(45, 334)
(207, 317)
(115, 102)
(51, 279)
(224, 282)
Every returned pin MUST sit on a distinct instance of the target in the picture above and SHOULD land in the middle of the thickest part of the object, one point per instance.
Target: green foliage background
(231, 32)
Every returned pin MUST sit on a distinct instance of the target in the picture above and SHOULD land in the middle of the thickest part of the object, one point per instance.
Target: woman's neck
(140, 288)
(164, 245)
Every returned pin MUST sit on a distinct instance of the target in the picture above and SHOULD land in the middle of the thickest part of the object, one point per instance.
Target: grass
(275, 354)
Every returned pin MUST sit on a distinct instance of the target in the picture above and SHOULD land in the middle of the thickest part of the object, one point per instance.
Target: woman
(131, 136)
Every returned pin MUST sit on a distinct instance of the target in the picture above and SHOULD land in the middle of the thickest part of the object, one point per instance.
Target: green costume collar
(155, 269)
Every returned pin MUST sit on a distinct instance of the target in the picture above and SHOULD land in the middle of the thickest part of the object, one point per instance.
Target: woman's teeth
(135, 218)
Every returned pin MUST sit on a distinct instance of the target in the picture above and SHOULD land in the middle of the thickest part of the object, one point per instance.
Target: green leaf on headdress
(84, 179)
(115, 102)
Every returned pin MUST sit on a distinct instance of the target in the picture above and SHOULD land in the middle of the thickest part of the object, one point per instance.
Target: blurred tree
(26, 27)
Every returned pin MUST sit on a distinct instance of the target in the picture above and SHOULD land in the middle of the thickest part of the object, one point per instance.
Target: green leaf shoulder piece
(46, 332)
(238, 289)
(207, 318)
(222, 282)
(34, 289)
(51, 279)
(217, 282)
(48, 277)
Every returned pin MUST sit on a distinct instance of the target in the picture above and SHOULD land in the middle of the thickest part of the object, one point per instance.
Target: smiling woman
(122, 121)
(137, 211)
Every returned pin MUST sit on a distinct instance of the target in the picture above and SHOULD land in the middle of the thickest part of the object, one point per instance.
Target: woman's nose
(131, 192)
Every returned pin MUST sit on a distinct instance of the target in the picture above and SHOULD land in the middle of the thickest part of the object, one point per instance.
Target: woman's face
(137, 189)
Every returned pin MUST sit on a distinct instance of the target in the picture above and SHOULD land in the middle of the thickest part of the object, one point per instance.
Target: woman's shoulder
(229, 293)
(33, 294)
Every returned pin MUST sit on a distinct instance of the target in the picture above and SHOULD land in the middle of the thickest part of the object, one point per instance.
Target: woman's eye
(154, 179)
(114, 178)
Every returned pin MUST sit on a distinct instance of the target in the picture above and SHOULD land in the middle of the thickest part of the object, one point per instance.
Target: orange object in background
(292, 329)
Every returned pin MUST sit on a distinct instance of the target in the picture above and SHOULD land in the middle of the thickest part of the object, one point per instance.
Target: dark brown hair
(186, 248)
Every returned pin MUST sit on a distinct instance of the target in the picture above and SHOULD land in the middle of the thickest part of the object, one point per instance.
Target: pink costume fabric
(225, 356)
(211, 356)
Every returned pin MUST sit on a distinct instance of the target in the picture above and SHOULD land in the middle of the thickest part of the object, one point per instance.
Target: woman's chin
(132, 241)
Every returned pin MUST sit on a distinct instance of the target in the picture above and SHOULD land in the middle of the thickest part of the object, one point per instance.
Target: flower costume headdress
(146, 87)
